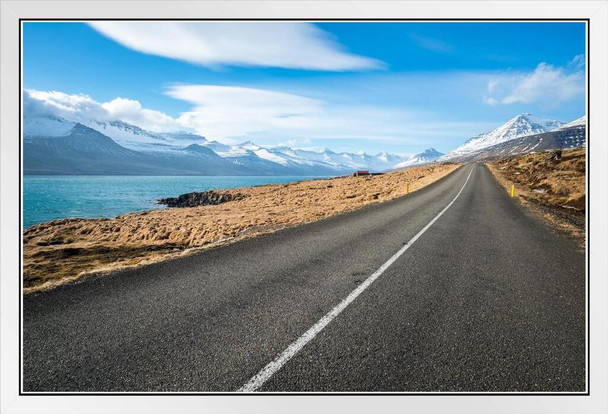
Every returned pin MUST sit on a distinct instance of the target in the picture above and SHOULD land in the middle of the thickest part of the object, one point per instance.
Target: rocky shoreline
(204, 198)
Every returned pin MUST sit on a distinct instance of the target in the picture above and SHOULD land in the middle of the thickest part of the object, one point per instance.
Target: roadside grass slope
(554, 189)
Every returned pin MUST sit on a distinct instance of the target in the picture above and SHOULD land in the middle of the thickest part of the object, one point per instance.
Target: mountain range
(54, 145)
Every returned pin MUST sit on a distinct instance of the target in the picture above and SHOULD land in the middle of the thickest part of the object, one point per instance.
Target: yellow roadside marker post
(408, 188)
(513, 190)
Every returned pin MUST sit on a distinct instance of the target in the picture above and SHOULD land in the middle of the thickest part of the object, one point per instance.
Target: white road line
(269, 370)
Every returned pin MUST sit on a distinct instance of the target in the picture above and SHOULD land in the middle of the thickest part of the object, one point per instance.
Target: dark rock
(555, 155)
(204, 198)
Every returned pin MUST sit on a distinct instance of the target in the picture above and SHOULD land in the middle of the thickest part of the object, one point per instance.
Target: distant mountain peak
(529, 118)
(327, 151)
(427, 156)
(430, 151)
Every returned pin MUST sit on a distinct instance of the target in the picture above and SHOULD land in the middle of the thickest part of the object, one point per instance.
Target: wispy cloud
(228, 111)
(225, 112)
(435, 45)
(265, 44)
(547, 85)
(577, 62)
(490, 101)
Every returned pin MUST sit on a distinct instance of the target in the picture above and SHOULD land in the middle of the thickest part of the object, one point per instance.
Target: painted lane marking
(269, 370)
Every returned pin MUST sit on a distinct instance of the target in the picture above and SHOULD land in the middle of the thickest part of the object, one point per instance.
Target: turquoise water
(48, 198)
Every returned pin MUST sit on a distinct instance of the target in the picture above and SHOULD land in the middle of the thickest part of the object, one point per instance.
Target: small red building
(360, 172)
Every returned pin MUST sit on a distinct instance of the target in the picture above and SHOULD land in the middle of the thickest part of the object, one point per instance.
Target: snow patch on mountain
(582, 121)
(138, 139)
(267, 155)
(46, 126)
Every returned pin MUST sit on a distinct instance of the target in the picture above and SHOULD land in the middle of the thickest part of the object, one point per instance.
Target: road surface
(469, 293)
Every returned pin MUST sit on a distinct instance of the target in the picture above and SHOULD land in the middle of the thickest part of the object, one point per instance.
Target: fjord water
(54, 197)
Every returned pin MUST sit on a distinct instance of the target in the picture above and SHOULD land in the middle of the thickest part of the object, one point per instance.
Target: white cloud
(490, 101)
(547, 86)
(226, 111)
(82, 108)
(492, 85)
(232, 114)
(296, 143)
(266, 44)
(131, 111)
(55, 103)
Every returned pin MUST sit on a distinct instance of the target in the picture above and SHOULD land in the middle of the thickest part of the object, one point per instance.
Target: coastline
(53, 197)
(67, 250)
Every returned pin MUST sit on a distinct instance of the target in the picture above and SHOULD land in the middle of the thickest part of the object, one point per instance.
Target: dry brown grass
(65, 250)
(553, 189)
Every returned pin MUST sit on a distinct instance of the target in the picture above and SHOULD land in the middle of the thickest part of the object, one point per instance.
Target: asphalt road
(487, 299)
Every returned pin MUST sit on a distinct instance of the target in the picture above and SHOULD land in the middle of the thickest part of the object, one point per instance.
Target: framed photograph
(296, 206)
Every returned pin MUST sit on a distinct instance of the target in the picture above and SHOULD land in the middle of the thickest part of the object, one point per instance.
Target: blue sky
(395, 86)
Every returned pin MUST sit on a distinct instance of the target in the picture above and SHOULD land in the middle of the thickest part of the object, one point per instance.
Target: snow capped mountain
(50, 136)
(186, 148)
(46, 126)
(582, 121)
(138, 139)
(124, 134)
(346, 161)
(265, 154)
(570, 135)
(564, 138)
(516, 127)
(548, 124)
(249, 145)
(127, 135)
(388, 158)
(290, 157)
(427, 156)
(218, 147)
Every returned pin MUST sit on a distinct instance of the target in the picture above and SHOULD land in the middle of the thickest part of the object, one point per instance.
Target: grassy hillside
(553, 188)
